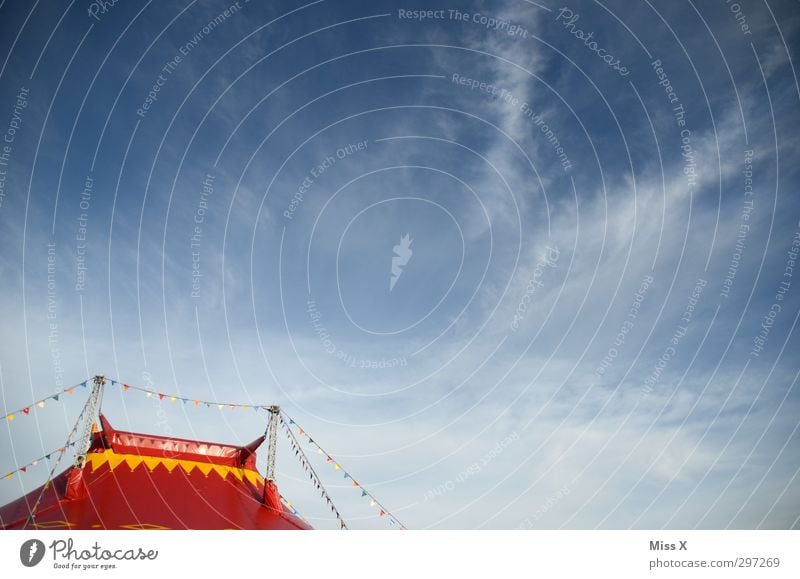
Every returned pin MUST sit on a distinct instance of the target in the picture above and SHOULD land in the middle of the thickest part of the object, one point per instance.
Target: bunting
(293, 510)
(9, 416)
(312, 475)
(48, 456)
(184, 399)
(373, 502)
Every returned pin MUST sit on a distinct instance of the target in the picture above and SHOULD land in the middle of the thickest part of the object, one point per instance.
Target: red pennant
(69, 391)
(383, 512)
(126, 387)
(161, 396)
(330, 459)
(24, 469)
(26, 410)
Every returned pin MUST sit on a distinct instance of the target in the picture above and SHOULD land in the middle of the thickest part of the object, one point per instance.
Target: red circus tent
(142, 481)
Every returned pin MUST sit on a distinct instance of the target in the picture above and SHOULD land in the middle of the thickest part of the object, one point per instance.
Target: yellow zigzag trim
(97, 459)
(53, 524)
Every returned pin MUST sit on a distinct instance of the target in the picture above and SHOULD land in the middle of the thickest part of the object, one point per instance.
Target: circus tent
(129, 480)
(138, 481)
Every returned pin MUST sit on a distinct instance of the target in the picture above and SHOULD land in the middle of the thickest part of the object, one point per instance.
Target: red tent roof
(141, 481)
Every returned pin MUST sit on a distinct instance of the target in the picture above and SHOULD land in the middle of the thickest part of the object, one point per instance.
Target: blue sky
(593, 317)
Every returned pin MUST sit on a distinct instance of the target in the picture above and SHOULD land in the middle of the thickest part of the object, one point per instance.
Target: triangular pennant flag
(161, 396)
(336, 466)
(40, 404)
(24, 469)
(355, 484)
(383, 512)
(82, 384)
(346, 475)
(34, 463)
(319, 451)
(196, 402)
(310, 440)
(173, 399)
(10, 417)
(330, 459)
(47, 456)
(55, 397)
(290, 420)
(126, 387)
(10, 475)
(363, 493)
(69, 391)
(149, 394)
(26, 410)
(302, 432)
(372, 503)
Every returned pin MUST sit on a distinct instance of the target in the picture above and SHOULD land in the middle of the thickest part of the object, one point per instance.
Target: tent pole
(92, 413)
(272, 442)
